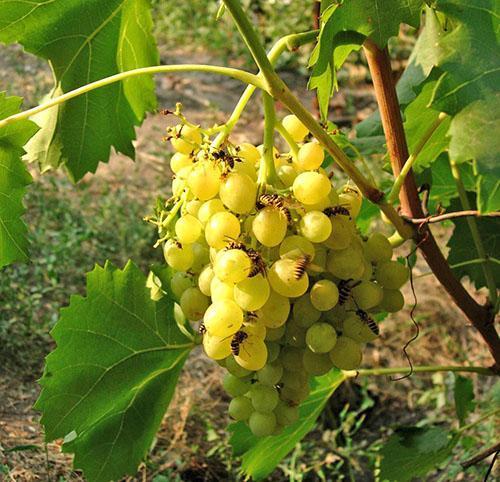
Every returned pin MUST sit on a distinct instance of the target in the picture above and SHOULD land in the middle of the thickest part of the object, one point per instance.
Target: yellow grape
(269, 226)
(219, 290)
(275, 311)
(189, 139)
(232, 266)
(252, 354)
(204, 180)
(178, 257)
(311, 156)
(216, 347)
(188, 229)
(238, 192)
(194, 304)
(180, 161)
(252, 293)
(311, 187)
(324, 295)
(209, 208)
(295, 127)
(295, 246)
(223, 318)
(221, 228)
(283, 278)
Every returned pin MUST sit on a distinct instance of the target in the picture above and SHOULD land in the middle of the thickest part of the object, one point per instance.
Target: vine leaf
(468, 64)
(474, 134)
(14, 177)
(345, 27)
(261, 456)
(84, 42)
(464, 397)
(462, 250)
(108, 383)
(415, 451)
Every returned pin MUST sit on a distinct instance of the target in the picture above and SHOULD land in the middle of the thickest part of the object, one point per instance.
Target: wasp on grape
(369, 321)
(258, 263)
(301, 264)
(238, 338)
(337, 210)
(345, 288)
(276, 201)
(202, 329)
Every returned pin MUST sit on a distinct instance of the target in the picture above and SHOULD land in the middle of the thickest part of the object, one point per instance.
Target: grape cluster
(282, 284)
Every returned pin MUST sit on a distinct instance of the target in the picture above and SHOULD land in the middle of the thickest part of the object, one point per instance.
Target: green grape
(275, 310)
(234, 369)
(291, 358)
(194, 304)
(287, 174)
(311, 187)
(154, 285)
(295, 380)
(217, 347)
(178, 186)
(367, 270)
(294, 397)
(275, 334)
(269, 226)
(248, 152)
(295, 246)
(187, 229)
(320, 257)
(295, 127)
(223, 318)
(321, 205)
(304, 313)
(186, 138)
(219, 290)
(315, 226)
(295, 334)
(180, 161)
(193, 207)
(240, 408)
(378, 248)
(351, 198)
(355, 328)
(204, 180)
(232, 266)
(344, 263)
(392, 274)
(256, 328)
(367, 294)
(238, 192)
(346, 353)
(209, 208)
(342, 232)
(321, 337)
(234, 386)
(179, 283)
(205, 279)
(264, 398)
(179, 316)
(324, 295)
(252, 293)
(392, 301)
(270, 374)
(178, 257)
(316, 364)
(201, 257)
(286, 414)
(311, 156)
(273, 350)
(262, 424)
(221, 228)
(252, 354)
(284, 280)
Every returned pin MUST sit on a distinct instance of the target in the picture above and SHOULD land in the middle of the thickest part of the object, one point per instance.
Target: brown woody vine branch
(439, 218)
(480, 316)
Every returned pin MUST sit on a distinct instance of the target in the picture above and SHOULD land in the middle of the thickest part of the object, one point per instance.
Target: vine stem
(438, 218)
(421, 369)
(241, 75)
(408, 165)
(476, 236)
(385, 91)
(267, 170)
(290, 42)
(275, 86)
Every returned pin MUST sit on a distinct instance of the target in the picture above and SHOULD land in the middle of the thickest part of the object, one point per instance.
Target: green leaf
(462, 248)
(463, 393)
(84, 42)
(474, 136)
(414, 452)
(14, 177)
(109, 381)
(468, 64)
(261, 456)
(344, 28)
(419, 117)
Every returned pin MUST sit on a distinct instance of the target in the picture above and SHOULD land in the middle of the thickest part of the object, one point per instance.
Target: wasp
(226, 159)
(369, 321)
(335, 211)
(258, 263)
(345, 288)
(275, 201)
(238, 338)
(301, 264)
(202, 328)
